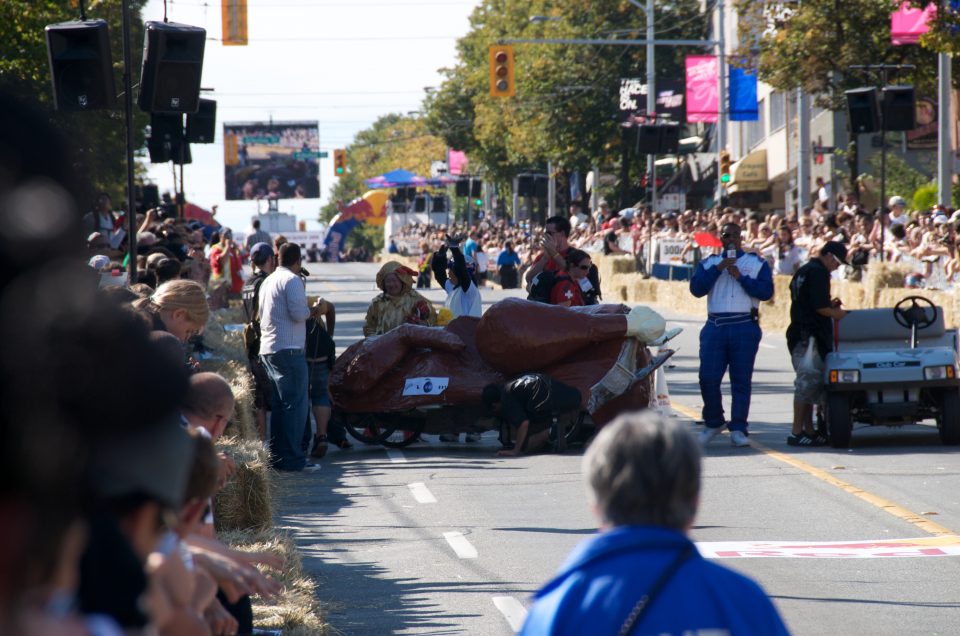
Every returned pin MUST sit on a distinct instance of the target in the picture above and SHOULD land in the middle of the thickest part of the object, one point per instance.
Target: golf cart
(893, 367)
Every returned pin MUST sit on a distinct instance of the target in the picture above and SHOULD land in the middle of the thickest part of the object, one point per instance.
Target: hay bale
(244, 503)
(296, 611)
(880, 276)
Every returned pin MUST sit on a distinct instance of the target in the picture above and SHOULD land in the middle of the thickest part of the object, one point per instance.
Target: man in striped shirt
(283, 317)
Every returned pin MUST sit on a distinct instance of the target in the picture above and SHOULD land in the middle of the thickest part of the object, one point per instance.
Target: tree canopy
(99, 137)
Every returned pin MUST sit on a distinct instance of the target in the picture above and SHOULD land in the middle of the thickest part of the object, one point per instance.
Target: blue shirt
(469, 247)
(508, 258)
(607, 574)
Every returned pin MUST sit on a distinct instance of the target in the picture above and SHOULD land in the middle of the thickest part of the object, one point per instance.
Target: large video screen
(278, 160)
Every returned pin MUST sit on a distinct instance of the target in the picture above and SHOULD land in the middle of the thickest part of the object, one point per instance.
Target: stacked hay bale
(243, 509)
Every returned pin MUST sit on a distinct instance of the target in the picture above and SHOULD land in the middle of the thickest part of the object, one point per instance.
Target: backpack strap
(641, 607)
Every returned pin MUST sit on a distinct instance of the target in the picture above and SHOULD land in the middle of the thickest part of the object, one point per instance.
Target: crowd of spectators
(107, 428)
(925, 242)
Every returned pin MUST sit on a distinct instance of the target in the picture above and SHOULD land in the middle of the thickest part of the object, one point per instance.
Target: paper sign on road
(872, 549)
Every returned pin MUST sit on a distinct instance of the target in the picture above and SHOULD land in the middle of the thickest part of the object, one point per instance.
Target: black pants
(242, 611)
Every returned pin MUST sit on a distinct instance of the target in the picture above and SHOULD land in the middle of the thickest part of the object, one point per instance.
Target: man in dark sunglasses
(734, 282)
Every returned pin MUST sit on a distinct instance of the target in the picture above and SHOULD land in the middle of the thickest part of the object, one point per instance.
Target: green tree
(817, 44)
(567, 97)
(99, 137)
(392, 142)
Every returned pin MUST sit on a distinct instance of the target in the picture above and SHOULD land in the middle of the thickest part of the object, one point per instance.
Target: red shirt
(566, 290)
(551, 265)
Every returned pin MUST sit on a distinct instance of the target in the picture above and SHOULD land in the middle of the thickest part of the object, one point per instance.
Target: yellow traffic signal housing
(724, 166)
(501, 71)
(339, 162)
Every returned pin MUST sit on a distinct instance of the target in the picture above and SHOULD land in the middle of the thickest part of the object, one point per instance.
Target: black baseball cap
(837, 249)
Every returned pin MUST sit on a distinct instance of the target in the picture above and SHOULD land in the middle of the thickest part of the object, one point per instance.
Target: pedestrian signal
(501, 71)
(339, 162)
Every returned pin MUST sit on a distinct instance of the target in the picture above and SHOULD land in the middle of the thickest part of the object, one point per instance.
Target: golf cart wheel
(838, 419)
(949, 421)
(401, 433)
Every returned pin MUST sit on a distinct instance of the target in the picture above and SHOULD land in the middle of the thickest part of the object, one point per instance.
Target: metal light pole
(721, 95)
(128, 116)
(651, 100)
(944, 149)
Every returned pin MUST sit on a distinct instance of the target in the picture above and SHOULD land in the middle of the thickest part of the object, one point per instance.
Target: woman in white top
(463, 297)
(787, 257)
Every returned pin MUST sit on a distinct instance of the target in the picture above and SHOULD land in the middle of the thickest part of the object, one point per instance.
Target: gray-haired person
(641, 572)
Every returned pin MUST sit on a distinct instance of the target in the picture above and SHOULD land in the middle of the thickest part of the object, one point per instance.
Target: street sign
(824, 150)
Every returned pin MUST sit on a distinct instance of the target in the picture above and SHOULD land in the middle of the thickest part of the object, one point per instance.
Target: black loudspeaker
(175, 153)
(202, 125)
(159, 150)
(476, 188)
(166, 128)
(669, 139)
(81, 65)
(420, 204)
(463, 188)
(400, 196)
(439, 204)
(899, 108)
(862, 110)
(411, 193)
(541, 186)
(150, 196)
(649, 139)
(525, 187)
(172, 65)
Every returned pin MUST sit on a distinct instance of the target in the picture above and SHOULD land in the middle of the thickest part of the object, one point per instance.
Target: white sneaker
(739, 438)
(472, 437)
(707, 434)
(450, 437)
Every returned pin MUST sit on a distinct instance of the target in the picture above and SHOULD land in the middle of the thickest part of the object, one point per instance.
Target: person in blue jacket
(734, 283)
(641, 574)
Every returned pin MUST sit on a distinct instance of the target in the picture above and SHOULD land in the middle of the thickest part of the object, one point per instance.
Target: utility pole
(128, 121)
(803, 154)
(651, 101)
(551, 191)
(721, 95)
(944, 149)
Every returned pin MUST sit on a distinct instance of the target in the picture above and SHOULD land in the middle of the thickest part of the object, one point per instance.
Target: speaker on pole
(862, 110)
(899, 108)
(648, 139)
(81, 66)
(463, 187)
(439, 204)
(525, 187)
(202, 125)
(669, 139)
(172, 65)
(541, 186)
(476, 188)
(420, 203)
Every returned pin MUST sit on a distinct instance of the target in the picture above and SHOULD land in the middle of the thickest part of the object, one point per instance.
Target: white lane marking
(512, 610)
(871, 549)
(767, 346)
(460, 545)
(396, 457)
(421, 493)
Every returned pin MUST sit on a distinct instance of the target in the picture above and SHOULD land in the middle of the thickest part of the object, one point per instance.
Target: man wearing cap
(811, 311)
(734, 282)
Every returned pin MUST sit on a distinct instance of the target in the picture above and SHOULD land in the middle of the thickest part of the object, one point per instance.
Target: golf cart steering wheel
(916, 313)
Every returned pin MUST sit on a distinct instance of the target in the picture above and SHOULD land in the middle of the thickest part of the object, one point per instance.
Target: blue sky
(343, 63)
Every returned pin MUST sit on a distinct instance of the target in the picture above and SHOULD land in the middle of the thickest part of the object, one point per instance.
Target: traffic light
(339, 162)
(501, 71)
(724, 166)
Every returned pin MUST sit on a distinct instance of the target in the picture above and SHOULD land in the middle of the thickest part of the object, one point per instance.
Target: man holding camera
(734, 282)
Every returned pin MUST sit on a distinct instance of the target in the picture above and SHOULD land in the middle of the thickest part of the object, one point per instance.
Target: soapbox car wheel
(920, 312)
(948, 422)
(393, 431)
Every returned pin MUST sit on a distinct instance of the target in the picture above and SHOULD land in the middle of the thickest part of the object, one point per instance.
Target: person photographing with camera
(734, 282)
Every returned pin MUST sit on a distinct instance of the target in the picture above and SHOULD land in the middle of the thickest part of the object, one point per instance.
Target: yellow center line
(930, 527)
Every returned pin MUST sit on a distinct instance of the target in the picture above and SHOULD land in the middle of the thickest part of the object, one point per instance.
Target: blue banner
(743, 95)
(337, 233)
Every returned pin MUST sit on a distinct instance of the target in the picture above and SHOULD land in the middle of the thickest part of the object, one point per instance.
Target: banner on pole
(233, 14)
(907, 23)
(702, 91)
(743, 104)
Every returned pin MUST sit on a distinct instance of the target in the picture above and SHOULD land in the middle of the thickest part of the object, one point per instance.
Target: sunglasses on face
(585, 268)
(728, 235)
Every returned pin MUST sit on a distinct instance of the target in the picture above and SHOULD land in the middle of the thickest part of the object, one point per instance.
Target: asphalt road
(448, 539)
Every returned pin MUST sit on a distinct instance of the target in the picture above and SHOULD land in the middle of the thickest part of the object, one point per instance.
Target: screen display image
(278, 160)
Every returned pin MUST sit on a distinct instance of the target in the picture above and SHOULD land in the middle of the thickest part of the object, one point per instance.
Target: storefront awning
(750, 173)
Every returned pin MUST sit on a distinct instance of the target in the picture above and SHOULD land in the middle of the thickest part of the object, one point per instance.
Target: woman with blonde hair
(178, 306)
